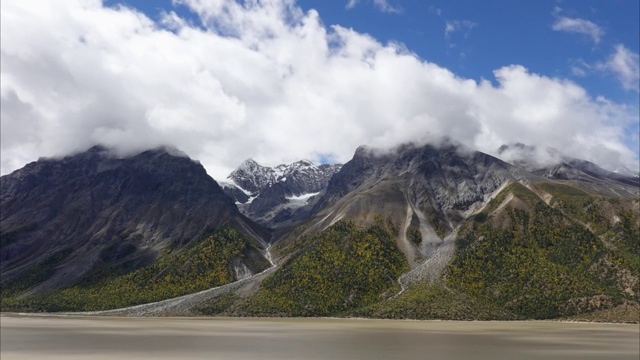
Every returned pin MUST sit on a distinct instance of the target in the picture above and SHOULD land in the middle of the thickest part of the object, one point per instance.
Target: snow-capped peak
(298, 178)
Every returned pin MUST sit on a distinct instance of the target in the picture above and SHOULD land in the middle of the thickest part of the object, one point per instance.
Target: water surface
(29, 337)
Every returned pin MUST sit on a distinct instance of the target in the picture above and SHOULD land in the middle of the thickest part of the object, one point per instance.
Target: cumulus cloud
(624, 63)
(263, 80)
(580, 26)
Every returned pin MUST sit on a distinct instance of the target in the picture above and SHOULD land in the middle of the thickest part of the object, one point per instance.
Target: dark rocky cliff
(93, 206)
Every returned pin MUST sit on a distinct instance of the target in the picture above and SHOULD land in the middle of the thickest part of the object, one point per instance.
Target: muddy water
(235, 339)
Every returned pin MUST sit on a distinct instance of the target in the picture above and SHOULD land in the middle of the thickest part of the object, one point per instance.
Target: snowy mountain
(270, 193)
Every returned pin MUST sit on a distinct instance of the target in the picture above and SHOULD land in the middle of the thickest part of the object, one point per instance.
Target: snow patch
(232, 184)
(303, 197)
(251, 198)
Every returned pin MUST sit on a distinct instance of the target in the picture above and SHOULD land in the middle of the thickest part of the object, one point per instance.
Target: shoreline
(267, 318)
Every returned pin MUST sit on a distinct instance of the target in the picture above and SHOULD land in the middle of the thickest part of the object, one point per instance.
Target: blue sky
(486, 34)
(281, 80)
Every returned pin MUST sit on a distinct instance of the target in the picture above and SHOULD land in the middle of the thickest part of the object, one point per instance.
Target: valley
(296, 179)
(417, 232)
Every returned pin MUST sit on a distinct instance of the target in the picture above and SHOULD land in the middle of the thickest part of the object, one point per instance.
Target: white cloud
(263, 80)
(452, 26)
(580, 26)
(382, 5)
(625, 65)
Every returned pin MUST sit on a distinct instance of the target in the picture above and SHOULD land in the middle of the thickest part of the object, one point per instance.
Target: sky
(281, 80)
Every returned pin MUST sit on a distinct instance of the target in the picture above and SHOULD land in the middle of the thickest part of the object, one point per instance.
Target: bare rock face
(447, 180)
(95, 206)
(424, 192)
(275, 196)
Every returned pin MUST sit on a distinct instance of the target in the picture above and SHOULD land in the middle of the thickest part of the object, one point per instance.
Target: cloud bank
(264, 80)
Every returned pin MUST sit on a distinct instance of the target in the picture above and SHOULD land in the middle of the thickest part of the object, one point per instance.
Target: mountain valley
(425, 232)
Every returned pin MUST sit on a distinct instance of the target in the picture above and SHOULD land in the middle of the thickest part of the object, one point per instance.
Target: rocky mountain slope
(472, 232)
(275, 196)
(428, 232)
(426, 192)
(94, 219)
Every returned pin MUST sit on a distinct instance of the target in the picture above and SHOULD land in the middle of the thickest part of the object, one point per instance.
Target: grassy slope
(205, 264)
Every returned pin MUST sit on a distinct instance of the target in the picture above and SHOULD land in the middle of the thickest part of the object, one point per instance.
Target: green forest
(539, 263)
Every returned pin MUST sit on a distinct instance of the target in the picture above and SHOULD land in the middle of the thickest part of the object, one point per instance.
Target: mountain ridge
(417, 222)
(93, 208)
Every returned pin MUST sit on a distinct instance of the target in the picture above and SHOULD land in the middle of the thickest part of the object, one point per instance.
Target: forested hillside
(341, 268)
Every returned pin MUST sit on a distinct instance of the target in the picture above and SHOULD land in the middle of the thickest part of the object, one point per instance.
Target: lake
(44, 337)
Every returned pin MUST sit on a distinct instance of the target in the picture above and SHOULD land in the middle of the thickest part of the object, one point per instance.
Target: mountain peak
(249, 162)
(91, 203)
(271, 187)
(300, 164)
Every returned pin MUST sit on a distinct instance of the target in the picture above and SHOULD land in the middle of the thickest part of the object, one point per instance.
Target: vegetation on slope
(433, 302)
(522, 260)
(341, 268)
(629, 312)
(537, 263)
(580, 205)
(576, 258)
(205, 264)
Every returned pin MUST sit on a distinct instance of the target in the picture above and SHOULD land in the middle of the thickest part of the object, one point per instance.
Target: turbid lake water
(31, 337)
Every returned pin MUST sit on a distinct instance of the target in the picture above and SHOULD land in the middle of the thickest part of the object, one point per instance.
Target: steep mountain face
(275, 196)
(429, 232)
(91, 214)
(477, 237)
(426, 192)
(385, 215)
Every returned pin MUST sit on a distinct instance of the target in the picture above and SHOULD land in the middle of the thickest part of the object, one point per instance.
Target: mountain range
(411, 232)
